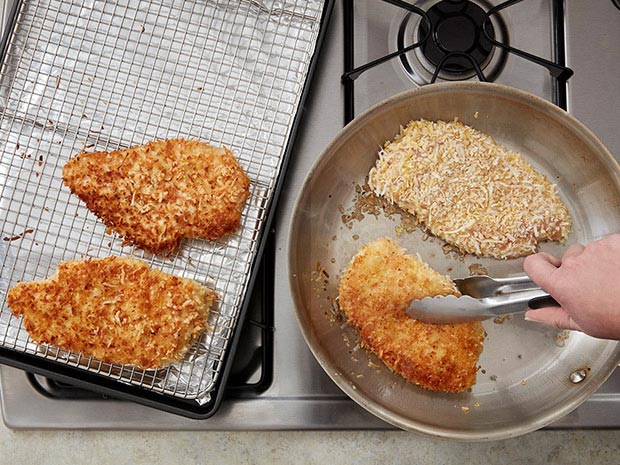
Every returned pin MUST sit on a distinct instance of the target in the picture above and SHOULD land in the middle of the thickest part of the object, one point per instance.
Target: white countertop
(333, 447)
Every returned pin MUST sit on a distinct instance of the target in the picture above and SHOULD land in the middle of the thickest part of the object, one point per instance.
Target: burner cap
(457, 26)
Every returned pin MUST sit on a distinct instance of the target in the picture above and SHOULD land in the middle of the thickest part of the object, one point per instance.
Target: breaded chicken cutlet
(114, 309)
(468, 190)
(156, 194)
(374, 292)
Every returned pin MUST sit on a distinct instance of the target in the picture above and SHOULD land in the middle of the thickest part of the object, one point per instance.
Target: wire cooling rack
(102, 75)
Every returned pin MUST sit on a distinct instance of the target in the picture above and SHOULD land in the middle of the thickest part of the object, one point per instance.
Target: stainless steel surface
(592, 38)
(105, 76)
(302, 396)
(522, 385)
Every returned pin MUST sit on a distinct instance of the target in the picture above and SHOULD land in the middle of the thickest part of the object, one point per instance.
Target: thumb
(540, 268)
(553, 316)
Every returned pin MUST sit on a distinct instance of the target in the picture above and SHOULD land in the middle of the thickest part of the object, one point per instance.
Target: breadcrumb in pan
(156, 194)
(116, 310)
(374, 292)
(472, 192)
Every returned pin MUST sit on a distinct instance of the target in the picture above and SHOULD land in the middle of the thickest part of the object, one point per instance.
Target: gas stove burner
(457, 27)
(457, 43)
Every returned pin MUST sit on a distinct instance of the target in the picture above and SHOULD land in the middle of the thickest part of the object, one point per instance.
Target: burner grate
(454, 40)
(456, 27)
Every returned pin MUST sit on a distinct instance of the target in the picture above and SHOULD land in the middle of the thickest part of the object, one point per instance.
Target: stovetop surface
(301, 395)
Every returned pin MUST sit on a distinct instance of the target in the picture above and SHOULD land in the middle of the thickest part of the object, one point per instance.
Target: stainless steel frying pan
(530, 374)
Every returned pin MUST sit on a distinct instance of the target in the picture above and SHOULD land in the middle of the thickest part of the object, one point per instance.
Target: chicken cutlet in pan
(117, 310)
(156, 194)
(469, 190)
(374, 292)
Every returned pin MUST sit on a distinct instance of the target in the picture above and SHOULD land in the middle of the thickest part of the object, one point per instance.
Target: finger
(573, 251)
(553, 316)
(551, 259)
(540, 268)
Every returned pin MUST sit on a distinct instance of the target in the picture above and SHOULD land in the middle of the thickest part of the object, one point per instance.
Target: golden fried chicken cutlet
(374, 292)
(469, 190)
(156, 194)
(116, 310)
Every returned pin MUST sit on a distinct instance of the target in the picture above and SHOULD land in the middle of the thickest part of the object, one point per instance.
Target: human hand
(585, 282)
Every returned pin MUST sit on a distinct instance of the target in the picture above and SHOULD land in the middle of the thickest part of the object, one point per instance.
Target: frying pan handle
(540, 302)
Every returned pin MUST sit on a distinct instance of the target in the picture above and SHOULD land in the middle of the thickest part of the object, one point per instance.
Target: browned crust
(156, 194)
(114, 309)
(374, 292)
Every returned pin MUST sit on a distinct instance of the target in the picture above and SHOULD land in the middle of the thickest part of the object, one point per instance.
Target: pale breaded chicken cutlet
(117, 310)
(156, 194)
(469, 190)
(374, 292)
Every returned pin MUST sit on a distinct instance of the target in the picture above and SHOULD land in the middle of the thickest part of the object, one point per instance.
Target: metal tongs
(483, 297)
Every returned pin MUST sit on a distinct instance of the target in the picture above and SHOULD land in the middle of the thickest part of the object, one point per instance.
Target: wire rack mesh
(104, 75)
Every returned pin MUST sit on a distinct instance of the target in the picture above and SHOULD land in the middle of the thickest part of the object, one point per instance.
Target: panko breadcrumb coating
(114, 309)
(156, 194)
(374, 293)
(472, 192)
